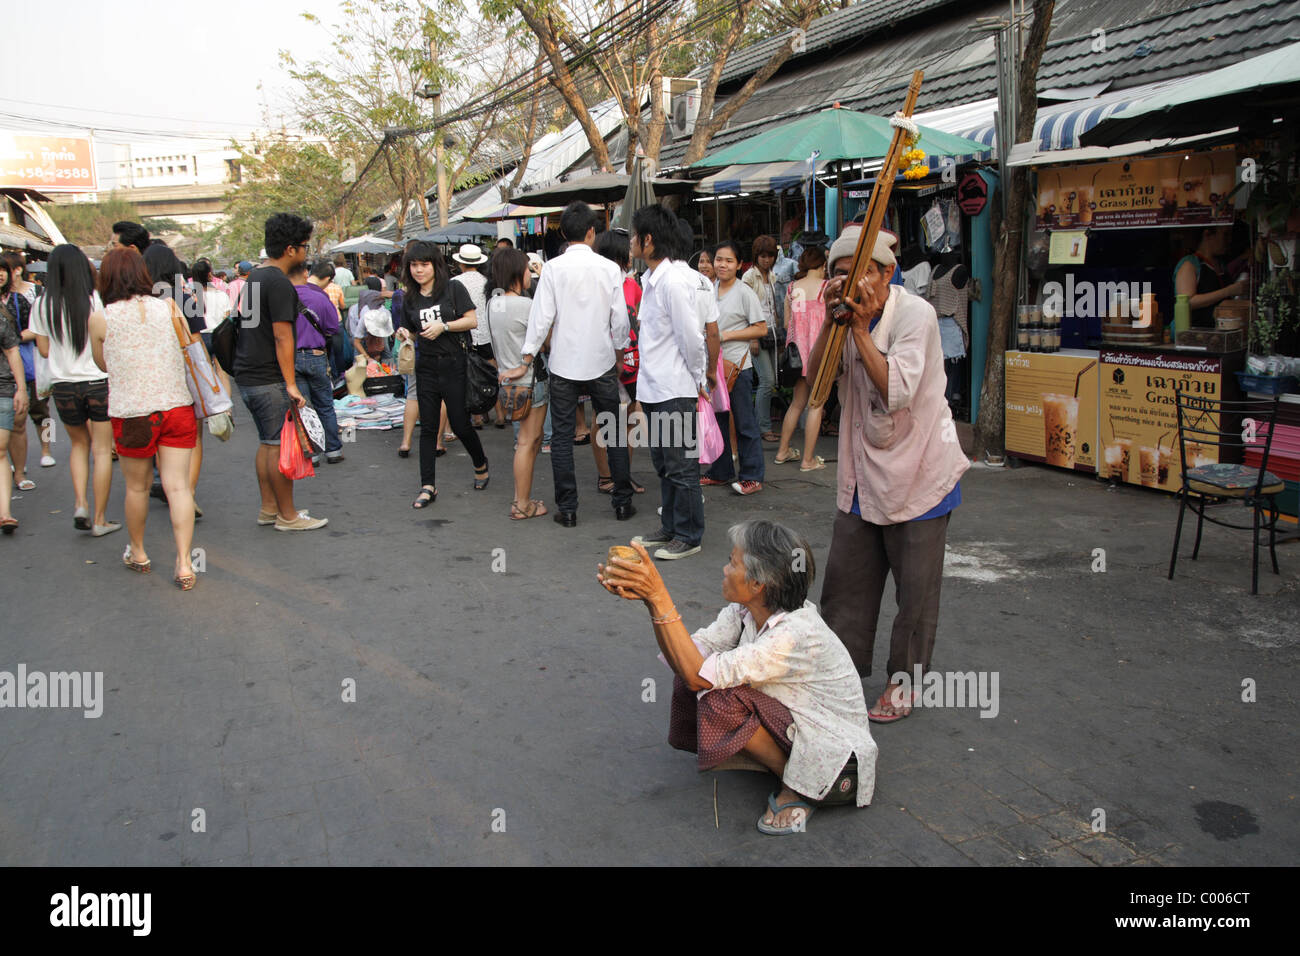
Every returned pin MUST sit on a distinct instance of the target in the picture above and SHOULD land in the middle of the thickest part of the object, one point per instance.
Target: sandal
(406, 452)
(878, 715)
(535, 509)
(818, 464)
(791, 455)
(448, 436)
(770, 436)
(605, 484)
(426, 497)
(185, 582)
(142, 567)
(637, 487)
(8, 525)
(481, 477)
(798, 827)
(26, 485)
(584, 440)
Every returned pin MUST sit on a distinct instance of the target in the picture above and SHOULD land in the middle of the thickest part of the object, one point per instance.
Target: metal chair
(1208, 422)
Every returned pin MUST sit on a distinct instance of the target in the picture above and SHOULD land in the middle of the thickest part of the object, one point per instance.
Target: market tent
(364, 244)
(639, 193)
(833, 134)
(596, 188)
(511, 210)
(756, 178)
(458, 232)
(1251, 92)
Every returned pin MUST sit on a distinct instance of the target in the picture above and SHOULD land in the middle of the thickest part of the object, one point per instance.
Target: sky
(170, 67)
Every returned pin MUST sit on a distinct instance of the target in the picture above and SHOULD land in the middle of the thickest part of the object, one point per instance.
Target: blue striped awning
(1061, 125)
(755, 178)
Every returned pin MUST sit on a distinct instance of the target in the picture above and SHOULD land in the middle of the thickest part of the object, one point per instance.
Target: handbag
(790, 366)
(225, 337)
(481, 384)
(516, 401)
(209, 393)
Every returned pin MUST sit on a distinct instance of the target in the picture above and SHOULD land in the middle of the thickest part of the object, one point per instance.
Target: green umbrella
(837, 134)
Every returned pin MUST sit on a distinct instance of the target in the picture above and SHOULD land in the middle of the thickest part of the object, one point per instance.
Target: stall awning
(1059, 126)
(755, 178)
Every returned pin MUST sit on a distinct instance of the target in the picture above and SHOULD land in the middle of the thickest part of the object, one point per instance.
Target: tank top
(947, 299)
(1207, 280)
(146, 372)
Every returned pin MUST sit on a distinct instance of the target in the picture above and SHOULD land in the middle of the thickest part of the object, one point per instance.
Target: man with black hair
(579, 303)
(318, 322)
(505, 243)
(127, 233)
(265, 353)
(672, 375)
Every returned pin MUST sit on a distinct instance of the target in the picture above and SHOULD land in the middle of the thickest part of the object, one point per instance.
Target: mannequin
(356, 375)
(947, 293)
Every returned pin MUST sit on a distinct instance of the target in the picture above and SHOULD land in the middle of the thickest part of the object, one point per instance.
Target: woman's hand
(433, 330)
(404, 333)
(636, 581)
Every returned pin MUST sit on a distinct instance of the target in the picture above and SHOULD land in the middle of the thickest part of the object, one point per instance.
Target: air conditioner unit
(682, 104)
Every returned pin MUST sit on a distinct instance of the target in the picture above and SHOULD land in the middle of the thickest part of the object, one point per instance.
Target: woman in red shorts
(149, 403)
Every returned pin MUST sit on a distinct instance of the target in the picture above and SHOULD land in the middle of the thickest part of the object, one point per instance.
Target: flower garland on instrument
(915, 158)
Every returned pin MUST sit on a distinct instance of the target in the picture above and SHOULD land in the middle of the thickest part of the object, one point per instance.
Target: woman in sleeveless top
(806, 311)
(135, 342)
(1200, 276)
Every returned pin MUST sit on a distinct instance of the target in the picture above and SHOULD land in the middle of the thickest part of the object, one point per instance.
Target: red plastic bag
(294, 463)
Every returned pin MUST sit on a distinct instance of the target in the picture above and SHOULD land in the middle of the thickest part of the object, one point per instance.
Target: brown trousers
(862, 555)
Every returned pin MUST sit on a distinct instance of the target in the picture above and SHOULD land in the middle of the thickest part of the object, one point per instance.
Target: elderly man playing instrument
(767, 680)
(899, 469)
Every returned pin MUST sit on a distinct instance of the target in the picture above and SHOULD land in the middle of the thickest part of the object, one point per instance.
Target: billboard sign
(48, 164)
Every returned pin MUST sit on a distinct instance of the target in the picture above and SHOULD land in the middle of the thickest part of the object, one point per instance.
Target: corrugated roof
(853, 22)
(1146, 41)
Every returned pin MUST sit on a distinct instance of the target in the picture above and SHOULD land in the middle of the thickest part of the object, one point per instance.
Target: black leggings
(438, 381)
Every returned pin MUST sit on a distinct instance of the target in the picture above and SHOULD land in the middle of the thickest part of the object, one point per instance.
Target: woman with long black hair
(437, 315)
(61, 322)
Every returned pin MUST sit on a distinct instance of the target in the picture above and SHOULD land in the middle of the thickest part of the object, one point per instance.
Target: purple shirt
(319, 303)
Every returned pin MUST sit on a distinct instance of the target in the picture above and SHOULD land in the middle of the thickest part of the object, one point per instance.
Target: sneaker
(546, 449)
(746, 487)
(335, 458)
(265, 518)
(710, 482)
(304, 522)
(649, 541)
(677, 548)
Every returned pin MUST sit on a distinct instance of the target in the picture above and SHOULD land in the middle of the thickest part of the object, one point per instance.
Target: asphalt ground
(502, 713)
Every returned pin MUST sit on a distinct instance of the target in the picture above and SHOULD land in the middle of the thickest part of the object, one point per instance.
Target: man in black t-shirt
(264, 364)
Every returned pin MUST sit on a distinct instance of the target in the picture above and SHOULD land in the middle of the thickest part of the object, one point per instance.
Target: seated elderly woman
(767, 679)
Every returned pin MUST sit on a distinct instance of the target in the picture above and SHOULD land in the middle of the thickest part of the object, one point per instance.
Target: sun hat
(470, 255)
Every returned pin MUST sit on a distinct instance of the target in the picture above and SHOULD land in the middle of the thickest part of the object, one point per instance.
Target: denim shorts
(268, 404)
(7, 414)
(409, 380)
(541, 391)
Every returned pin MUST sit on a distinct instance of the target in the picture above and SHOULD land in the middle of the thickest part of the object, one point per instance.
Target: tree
(91, 223)
(282, 174)
(990, 424)
(373, 87)
(796, 20)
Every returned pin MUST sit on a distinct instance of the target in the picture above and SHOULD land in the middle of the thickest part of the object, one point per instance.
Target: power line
(86, 109)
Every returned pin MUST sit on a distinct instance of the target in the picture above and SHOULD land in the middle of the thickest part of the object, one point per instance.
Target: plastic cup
(1060, 427)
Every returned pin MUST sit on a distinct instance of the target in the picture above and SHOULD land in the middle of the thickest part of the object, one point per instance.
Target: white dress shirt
(671, 338)
(581, 295)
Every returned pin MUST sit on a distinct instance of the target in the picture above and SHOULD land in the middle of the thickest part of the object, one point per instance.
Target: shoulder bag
(481, 383)
(210, 395)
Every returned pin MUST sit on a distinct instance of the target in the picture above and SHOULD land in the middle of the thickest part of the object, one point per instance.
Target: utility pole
(434, 92)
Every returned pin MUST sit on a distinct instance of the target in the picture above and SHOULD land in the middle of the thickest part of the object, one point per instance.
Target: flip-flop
(185, 582)
(784, 831)
(791, 455)
(770, 437)
(584, 440)
(143, 567)
(888, 718)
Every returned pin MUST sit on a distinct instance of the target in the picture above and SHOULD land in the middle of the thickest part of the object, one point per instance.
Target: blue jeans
(563, 407)
(314, 370)
(678, 468)
(763, 394)
(747, 434)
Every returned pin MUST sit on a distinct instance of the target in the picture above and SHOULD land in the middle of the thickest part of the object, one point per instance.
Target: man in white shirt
(579, 303)
(672, 376)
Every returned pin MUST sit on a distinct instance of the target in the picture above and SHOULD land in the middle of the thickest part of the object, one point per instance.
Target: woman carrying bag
(437, 315)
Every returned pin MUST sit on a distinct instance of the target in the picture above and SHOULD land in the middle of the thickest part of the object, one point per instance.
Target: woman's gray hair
(777, 558)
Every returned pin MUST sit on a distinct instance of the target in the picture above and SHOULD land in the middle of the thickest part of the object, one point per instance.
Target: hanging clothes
(951, 303)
